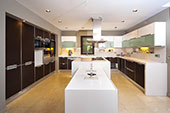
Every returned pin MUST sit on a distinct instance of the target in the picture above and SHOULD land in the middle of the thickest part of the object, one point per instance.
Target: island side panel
(91, 101)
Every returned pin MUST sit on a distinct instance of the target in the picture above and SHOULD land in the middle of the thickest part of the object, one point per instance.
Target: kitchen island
(91, 94)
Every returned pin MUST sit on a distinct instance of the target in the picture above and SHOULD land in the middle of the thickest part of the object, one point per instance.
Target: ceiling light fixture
(47, 10)
(116, 27)
(166, 5)
(59, 21)
(122, 21)
(134, 10)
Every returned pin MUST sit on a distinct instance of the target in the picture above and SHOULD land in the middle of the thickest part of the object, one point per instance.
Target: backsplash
(159, 54)
(98, 52)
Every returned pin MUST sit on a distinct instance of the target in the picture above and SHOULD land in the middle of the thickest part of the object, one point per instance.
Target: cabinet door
(27, 75)
(140, 74)
(47, 69)
(62, 63)
(38, 32)
(27, 43)
(46, 34)
(52, 66)
(149, 40)
(13, 36)
(69, 63)
(130, 69)
(39, 72)
(119, 63)
(122, 65)
(13, 81)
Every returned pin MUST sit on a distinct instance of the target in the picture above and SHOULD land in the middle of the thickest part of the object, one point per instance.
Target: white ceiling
(76, 14)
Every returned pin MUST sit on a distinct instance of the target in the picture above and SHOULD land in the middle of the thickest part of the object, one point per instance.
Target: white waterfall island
(86, 94)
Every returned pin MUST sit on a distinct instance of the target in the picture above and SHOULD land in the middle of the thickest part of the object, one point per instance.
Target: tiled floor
(48, 97)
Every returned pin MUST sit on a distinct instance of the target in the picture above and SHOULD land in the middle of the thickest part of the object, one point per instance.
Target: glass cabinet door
(149, 40)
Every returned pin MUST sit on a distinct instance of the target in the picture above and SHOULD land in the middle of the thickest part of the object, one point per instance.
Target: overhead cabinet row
(150, 35)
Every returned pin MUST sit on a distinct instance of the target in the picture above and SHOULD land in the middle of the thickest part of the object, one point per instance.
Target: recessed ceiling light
(116, 27)
(122, 21)
(59, 21)
(134, 10)
(166, 5)
(47, 10)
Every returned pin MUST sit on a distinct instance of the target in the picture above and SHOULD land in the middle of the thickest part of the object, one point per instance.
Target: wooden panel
(13, 36)
(39, 72)
(13, 82)
(27, 43)
(27, 75)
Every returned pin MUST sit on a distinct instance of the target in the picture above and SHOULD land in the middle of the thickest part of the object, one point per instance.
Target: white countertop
(142, 61)
(81, 81)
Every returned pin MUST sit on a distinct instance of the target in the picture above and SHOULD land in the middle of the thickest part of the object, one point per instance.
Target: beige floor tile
(48, 97)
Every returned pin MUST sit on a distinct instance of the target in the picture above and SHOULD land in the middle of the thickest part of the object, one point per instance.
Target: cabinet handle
(28, 63)
(11, 67)
(129, 69)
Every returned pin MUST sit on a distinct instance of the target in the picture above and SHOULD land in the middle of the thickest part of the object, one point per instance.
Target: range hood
(97, 25)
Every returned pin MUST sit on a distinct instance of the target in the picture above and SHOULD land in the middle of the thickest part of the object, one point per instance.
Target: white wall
(14, 8)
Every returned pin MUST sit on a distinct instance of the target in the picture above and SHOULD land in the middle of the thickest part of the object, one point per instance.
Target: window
(86, 48)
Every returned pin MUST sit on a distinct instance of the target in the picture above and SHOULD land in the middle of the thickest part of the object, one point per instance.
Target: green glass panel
(149, 40)
(141, 42)
(68, 44)
(109, 44)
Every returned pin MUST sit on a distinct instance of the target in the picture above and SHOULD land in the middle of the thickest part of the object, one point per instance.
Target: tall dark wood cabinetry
(27, 55)
(13, 56)
(20, 69)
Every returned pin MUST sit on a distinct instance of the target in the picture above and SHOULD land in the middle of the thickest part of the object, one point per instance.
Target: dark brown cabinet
(140, 74)
(39, 72)
(113, 62)
(27, 43)
(66, 63)
(27, 55)
(133, 70)
(13, 46)
(13, 81)
(63, 63)
(53, 66)
(46, 34)
(38, 32)
(47, 68)
(27, 75)
(130, 69)
(13, 69)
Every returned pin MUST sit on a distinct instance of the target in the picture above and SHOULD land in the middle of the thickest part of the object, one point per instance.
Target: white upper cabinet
(154, 34)
(111, 42)
(146, 30)
(118, 41)
(158, 29)
(133, 34)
